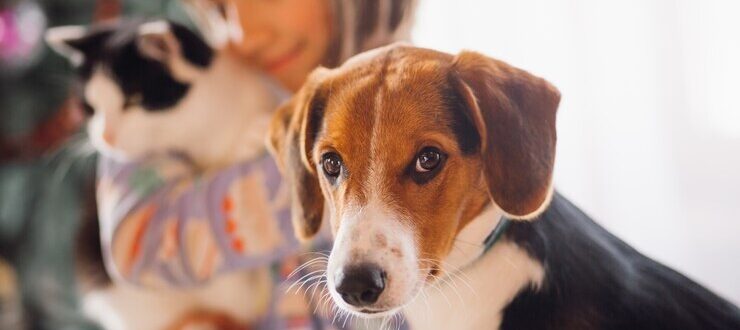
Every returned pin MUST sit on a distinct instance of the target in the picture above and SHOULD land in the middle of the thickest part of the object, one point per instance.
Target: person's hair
(360, 25)
(357, 25)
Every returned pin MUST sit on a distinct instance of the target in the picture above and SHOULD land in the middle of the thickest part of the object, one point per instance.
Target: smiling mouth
(283, 60)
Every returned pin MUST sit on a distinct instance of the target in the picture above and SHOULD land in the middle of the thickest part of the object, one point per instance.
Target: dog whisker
(450, 277)
(321, 254)
(316, 286)
(318, 308)
(457, 276)
(305, 265)
(312, 272)
(326, 295)
(317, 305)
(448, 281)
(441, 292)
(426, 302)
(312, 278)
(439, 286)
(336, 311)
(301, 281)
(384, 324)
(457, 273)
(322, 285)
(346, 316)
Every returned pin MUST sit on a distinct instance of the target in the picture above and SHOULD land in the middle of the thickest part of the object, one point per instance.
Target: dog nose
(360, 285)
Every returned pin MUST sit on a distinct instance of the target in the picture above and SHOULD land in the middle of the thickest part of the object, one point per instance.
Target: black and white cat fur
(157, 87)
(153, 88)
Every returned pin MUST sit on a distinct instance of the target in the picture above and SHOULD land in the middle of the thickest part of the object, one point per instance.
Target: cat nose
(361, 285)
(109, 137)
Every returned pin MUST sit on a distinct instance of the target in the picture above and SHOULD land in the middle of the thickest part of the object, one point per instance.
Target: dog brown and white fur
(417, 155)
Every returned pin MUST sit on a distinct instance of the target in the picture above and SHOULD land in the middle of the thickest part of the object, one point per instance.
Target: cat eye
(133, 100)
(332, 164)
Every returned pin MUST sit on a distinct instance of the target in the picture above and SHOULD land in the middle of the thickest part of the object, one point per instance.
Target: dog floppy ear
(514, 114)
(290, 139)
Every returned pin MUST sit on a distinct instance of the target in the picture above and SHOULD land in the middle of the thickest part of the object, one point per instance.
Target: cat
(157, 88)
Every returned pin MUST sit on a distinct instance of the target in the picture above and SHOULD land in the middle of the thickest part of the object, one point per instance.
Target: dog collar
(495, 235)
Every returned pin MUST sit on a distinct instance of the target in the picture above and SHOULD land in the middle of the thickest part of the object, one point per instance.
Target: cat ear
(75, 42)
(157, 42)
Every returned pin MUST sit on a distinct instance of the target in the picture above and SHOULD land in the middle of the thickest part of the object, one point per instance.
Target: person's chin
(286, 62)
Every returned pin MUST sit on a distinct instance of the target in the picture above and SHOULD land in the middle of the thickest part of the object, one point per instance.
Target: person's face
(285, 38)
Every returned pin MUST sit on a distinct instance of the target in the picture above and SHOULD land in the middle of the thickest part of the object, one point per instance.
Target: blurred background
(649, 123)
(649, 128)
(46, 166)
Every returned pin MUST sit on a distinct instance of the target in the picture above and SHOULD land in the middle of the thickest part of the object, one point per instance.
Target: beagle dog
(436, 174)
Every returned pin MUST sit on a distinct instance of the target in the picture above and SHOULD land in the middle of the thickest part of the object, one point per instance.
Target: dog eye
(428, 159)
(332, 164)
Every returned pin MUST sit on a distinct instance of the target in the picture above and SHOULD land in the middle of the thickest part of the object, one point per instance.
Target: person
(289, 38)
(163, 224)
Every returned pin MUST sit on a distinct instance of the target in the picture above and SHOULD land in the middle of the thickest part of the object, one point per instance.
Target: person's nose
(254, 41)
(256, 32)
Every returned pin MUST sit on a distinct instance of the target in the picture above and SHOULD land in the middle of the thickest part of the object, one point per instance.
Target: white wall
(649, 123)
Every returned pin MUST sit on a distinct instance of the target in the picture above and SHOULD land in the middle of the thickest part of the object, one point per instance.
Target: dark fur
(142, 79)
(462, 126)
(593, 280)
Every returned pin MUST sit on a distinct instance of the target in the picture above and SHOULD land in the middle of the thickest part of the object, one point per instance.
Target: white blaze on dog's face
(399, 144)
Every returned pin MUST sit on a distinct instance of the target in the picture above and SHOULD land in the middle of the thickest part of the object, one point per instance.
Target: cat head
(134, 75)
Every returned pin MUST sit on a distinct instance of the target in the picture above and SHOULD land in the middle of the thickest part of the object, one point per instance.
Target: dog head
(406, 146)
